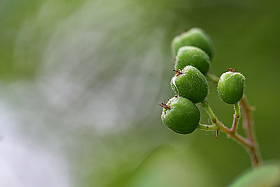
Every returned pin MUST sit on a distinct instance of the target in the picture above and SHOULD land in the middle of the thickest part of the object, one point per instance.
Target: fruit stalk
(236, 117)
(249, 145)
(249, 130)
(248, 124)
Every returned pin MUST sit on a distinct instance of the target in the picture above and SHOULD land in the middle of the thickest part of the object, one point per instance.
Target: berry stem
(211, 114)
(249, 145)
(208, 127)
(239, 139)
(236, 118)
(248, 127)
(248, 124)
(212, 77)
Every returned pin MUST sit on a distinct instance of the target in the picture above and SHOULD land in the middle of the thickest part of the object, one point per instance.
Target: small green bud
(194, 37)
(180, 115)
(190, 83)
(189, 55)
(231, 86)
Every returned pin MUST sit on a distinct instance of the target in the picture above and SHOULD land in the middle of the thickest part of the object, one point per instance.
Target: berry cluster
(193, 52)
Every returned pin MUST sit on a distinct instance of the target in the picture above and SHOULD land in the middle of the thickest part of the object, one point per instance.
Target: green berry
(194, 37)
(190, 83)
(231, 86)
(189, 55)
(180, 115)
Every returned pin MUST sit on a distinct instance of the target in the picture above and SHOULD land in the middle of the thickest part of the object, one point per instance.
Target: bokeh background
(81, 80)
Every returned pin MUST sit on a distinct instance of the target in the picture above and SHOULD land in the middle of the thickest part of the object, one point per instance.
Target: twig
(236, 117)
(248, 144)
(248, 127)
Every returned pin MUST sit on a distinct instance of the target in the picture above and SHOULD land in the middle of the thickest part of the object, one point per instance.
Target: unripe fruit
(189, 55)
(190, 83)
(194, 37)
(180, 115)
(231, 86)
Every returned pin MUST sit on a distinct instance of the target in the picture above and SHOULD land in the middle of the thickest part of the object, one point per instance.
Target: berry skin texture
(191, 84)
(231, 87)
(182, 116)
(194, 37)
(189, 55)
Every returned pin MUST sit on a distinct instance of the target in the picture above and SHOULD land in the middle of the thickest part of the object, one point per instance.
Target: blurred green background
(80, 83)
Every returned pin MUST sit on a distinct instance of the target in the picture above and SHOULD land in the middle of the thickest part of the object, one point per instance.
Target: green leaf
(265, 175)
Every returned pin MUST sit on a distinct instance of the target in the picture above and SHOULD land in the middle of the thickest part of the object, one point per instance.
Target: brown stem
(248, 127)
(231, 134)
(248, 124)
(249, 144)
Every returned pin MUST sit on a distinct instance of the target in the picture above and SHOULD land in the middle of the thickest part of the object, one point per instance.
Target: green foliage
(265, 175)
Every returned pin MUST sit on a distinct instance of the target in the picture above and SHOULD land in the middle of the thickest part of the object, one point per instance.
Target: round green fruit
(231, 87)
(189, 55)
(190, 83)
(180, 115)
(194, 37)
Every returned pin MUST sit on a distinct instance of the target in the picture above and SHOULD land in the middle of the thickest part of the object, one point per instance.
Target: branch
(248, 127)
